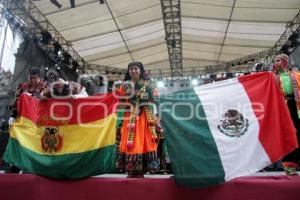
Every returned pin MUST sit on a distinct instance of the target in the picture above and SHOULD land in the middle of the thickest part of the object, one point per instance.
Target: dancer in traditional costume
(139, 129)
(289, 83)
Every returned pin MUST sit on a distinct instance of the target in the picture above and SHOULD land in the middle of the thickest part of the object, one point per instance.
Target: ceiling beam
(236, 20)
(113, 17)
(77, 5)
(171, 12)
(226, 31)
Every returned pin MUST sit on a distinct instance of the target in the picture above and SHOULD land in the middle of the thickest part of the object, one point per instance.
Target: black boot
(13, 170)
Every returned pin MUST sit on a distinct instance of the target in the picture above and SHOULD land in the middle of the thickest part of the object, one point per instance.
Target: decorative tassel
(131, 126)
(151, 124)
(129, 144)
(131, 130)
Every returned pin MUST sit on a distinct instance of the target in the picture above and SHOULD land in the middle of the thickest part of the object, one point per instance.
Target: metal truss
(113, 72)
(291, 28)
(33, 23)
(199, 71)
(172, 21)
(243, 64)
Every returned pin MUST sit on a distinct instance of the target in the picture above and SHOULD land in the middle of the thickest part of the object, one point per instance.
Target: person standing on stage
(34, 86)
(139, 133)
(64, 89)
(289, 83)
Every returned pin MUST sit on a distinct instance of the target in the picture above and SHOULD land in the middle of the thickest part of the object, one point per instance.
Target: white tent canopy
(209, 34)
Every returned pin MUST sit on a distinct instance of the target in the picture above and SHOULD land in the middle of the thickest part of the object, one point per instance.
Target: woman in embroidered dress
(139, 132)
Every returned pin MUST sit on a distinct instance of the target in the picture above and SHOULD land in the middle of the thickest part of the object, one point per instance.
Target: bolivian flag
(64, 138)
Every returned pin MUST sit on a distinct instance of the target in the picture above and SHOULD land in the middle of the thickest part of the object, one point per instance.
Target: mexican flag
(64, 138)
(226, 129)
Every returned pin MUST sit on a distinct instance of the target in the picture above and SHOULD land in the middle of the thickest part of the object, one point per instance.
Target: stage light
(195, 82)
(229, 75)
(35, 40)
(22, 29)
(9, 17)
(285, 49)
(66, 58)
(212, 76)
(110, 85)
(72, 3)
(258, 67)
(17, 25)
(173, 43)
(55, 2)
(57, 48)
(99, 81)
(46, 37)
(160, 84)
(294, 36)
(75, 65)
(294, 40)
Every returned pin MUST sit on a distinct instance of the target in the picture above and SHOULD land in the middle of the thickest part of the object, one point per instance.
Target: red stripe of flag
(276, 130)
(55, 112)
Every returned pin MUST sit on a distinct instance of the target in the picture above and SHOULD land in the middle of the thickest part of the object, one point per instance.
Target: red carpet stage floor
(31, 187)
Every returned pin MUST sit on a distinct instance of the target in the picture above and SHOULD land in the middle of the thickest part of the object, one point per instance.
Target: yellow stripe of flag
(75, 138)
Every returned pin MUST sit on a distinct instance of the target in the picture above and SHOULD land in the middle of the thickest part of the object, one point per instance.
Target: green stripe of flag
(192, 149)
(67, 166)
